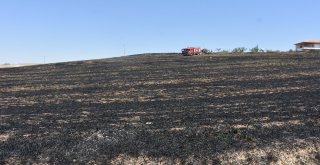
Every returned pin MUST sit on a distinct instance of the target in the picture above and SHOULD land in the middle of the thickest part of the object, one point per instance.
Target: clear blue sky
(64, 30)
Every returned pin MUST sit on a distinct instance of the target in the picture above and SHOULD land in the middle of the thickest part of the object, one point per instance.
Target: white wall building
(308, 45)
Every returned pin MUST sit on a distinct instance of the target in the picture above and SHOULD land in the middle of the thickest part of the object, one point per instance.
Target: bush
(239, 50)
(272, 51)
(206, 51)
(256, 49)
(218, 50)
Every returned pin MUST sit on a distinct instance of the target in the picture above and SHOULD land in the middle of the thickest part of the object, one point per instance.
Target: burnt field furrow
(242, 109)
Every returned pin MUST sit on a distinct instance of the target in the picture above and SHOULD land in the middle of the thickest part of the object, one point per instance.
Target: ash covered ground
(164, 109)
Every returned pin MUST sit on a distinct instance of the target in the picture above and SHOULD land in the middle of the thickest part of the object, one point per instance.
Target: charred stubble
(162, 107)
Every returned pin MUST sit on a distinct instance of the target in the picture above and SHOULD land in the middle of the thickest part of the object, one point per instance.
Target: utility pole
(124, 49)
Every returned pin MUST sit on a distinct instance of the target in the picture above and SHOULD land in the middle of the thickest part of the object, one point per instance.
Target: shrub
(239, 50)
(218, 50)
(272, 51)
(256, 49)
(206, 51)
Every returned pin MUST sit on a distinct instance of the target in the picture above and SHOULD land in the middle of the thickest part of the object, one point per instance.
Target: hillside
(163, 108)
(15, 65)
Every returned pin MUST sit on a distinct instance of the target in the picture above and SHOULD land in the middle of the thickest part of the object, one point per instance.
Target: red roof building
(308, 45)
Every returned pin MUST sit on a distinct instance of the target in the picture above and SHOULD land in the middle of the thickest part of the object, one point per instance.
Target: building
(308, 45)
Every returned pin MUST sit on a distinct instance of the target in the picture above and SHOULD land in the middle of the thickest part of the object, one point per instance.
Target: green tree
(256, 49)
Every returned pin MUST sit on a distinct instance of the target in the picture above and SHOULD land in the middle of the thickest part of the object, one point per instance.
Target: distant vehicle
(191, 51)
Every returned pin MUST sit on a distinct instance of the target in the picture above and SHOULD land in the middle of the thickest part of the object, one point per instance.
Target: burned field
(163, 108)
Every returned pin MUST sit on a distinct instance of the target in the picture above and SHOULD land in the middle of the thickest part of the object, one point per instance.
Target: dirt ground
(163, 109)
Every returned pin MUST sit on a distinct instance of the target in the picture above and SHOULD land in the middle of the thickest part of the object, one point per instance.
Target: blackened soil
(158, 105)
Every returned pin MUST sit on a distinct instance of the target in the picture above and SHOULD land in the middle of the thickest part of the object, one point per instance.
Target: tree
(239, 50)
(256, 49)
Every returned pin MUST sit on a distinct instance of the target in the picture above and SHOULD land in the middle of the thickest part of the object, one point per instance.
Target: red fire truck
(191, 51)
